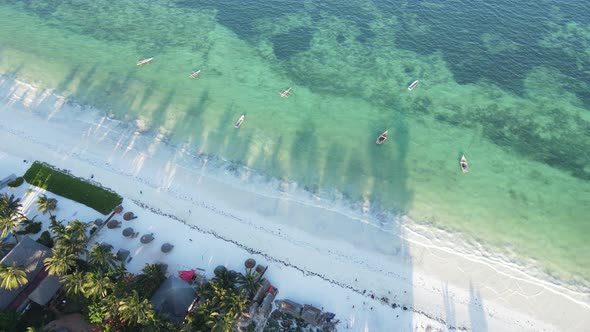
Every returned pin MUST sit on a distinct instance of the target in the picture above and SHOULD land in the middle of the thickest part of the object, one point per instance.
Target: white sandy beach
(318, 252)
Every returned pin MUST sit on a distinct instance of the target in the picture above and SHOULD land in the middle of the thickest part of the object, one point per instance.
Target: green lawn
(63, 184)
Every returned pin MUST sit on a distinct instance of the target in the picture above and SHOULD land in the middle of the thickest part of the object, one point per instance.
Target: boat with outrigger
(145, 61)
(285, 93)
(413, 85)
(195, 74)
(238, 123)
(464, 165)
(381, 138)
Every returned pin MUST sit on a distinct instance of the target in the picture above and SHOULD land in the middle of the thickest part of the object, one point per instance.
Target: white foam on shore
(355, 251)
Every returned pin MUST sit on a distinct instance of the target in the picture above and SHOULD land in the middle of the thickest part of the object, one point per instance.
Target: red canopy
(186, 275)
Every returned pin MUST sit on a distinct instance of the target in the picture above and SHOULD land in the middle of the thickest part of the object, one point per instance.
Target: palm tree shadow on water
(375, 234)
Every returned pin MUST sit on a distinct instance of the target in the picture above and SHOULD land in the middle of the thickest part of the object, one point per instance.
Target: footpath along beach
(328, 244)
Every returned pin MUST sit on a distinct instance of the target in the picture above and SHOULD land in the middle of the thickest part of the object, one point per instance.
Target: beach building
(290, 308)
(40, 287)
(311, 314)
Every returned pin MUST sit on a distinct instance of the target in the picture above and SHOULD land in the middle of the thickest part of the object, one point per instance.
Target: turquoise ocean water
(507, 83)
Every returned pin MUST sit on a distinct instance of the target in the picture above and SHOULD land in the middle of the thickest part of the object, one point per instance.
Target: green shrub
(46, 240)
(64, 184)
(8, 320)
(33, 227)
(16, 183)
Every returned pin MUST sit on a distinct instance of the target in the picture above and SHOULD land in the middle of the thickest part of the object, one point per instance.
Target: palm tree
(96, 284)
(45, 204)
(77, 230)
(12, 276)
(10, 214)
(225, 278)
(135, 311)
(249, 283)
(74, 283)
(70, 244)
(60, 262)
(221, 308)
(57, 228)
(102, 257)
(152, 277)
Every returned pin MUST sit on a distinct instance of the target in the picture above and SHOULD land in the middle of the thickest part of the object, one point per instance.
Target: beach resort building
(40, 288)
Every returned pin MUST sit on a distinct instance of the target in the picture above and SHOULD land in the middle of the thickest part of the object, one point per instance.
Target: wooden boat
(285, 92)
(464, 165)
(142, 62)
(240, 121)
(195, 74)
(382, 138)
(413, 85)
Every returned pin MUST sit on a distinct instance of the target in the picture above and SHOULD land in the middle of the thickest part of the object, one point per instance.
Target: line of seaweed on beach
(383, 299)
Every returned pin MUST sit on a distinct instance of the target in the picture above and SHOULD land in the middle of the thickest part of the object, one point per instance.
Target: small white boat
(240, 121)
(464, 165)
(381, 138)
(142, 62)
(413, 85)
(195, 74)
(285, 92)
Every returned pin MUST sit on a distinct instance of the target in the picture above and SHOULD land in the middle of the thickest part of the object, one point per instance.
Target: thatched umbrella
(128, 215)
(119, 209)
(127, 232)
(147, 238)
(167, 247)
(113, 224)
(250, 263)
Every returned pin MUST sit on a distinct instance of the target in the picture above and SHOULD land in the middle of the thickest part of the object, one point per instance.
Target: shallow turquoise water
(505, 83)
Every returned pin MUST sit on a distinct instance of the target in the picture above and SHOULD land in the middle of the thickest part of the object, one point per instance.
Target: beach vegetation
(11, 217)
(57, 228)
(227, 279)
(73, 283)
(249, 282)
(16, 182)
(45, 205)
(31, 227)
(101, 257)
(8, 320)
(134, 310)
(60, 262)
(45, 239)
(152, 276)
(12, 276)
(220, 303)
(64, 184)
(35, 317)
(97, 285)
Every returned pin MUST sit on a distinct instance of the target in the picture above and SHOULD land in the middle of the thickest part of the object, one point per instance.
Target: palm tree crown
(102, 257)
(74, 283)
(12, 276)
(60, 262)
(10, 214)
(45, 204)
(77, 230)
(97, 285)
(135, 311)
(249, 282)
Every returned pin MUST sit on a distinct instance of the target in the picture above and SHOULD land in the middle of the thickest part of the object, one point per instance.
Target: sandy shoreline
(462, 290)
